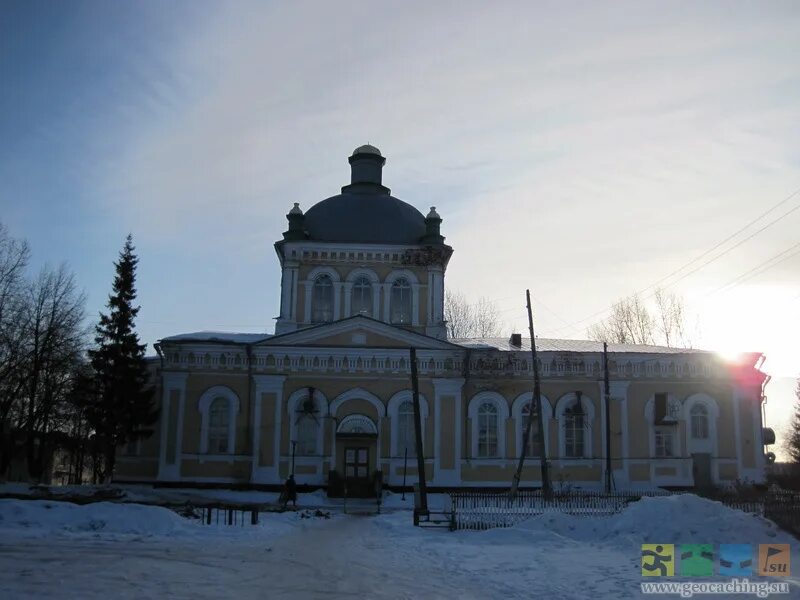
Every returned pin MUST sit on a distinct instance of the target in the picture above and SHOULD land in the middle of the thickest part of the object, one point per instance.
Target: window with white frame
(322, 300)
(361, 301)
(699, 422)
(487, 430)
(406, 436)
(400, 306)
(307, 435)
(218, 424)
(574, 429)
(664, 442)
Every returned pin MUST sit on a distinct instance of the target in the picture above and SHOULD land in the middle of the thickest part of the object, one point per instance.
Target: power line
(548, 309)
(704, 254)
(733, 235)
(759, 268)
(736, 245)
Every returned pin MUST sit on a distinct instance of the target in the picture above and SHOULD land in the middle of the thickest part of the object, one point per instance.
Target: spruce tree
(122, 409)
(793, 438)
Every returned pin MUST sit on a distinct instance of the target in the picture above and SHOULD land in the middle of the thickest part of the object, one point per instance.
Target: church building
(328, 396)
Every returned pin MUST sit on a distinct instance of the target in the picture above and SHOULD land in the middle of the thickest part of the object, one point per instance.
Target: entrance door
(701, 469)
(356, 471)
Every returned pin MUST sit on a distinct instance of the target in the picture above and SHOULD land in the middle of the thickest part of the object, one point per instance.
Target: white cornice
(409, 338)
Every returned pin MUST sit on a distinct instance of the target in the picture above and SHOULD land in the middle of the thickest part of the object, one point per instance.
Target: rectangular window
(487, 435)
(700, 426)
(573, 436)
(664, 443)
(218, 441)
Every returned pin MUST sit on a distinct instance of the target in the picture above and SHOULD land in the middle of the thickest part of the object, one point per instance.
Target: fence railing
(221, 514)
(491, 509)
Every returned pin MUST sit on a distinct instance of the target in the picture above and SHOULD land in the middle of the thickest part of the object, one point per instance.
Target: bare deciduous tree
(56, 343)
(465, 320)
(671, 316)
(632, 322)
(42, 343)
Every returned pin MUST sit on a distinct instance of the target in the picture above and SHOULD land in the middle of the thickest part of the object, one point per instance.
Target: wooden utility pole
(423, 487)
(607, 388)
(535, 410)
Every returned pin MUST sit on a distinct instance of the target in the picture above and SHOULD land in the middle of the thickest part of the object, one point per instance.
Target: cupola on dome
(365, 211)
(367, 149)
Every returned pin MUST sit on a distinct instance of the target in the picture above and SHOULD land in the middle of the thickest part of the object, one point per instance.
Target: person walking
(290, 492)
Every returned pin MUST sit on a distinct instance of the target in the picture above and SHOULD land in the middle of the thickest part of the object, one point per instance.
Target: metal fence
(491, 509)
(221, 514)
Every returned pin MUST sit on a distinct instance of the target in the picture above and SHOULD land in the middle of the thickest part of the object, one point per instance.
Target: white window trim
(293, 404)
(309, 286)
(204, 406)
(711, 443)
(387, 295)
(344, 424)
(673, 405)
(587, 403)
(668, 429)
(502, 416)
(520, 421)
(393, 410)
(352, 276)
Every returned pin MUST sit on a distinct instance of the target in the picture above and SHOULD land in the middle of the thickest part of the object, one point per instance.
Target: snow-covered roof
(562, 345)
(218, 336)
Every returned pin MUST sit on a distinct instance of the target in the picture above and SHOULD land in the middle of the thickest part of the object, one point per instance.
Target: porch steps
(355, 506)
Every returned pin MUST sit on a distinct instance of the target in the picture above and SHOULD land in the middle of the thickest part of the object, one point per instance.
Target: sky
(585, 151)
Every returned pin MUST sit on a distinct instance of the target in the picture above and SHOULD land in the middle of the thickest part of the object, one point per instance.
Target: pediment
(358, 331)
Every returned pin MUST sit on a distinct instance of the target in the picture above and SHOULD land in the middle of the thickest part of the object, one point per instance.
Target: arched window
(218, 407)
(218, 421)
(361, 303)
(487, 430)
(401, 302)
(406, 436)
(699, 417)
(322, 300)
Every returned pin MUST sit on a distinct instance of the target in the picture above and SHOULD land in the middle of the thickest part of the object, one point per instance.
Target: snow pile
(665, 519)
(47, 517)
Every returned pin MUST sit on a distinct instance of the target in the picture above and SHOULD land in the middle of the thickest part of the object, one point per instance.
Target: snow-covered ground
(51, 549)
(147, 494)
